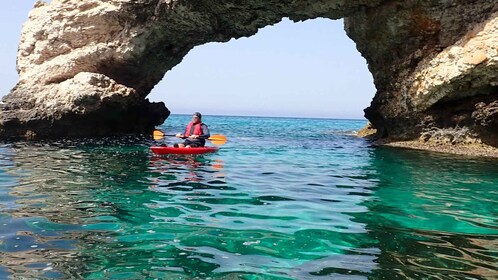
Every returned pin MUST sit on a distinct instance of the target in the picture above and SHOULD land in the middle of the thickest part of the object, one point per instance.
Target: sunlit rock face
(86, 66)
(434, 65)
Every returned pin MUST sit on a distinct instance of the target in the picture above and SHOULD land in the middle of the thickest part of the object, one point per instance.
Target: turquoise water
(283, 199)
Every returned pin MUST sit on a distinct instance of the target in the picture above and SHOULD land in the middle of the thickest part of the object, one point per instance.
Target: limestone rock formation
(86, 66)
(434, 65)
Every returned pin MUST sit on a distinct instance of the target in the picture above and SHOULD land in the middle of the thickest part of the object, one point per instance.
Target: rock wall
(434, 65)
(86, 66)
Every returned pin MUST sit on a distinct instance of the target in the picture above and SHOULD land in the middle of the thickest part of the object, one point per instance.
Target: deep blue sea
(284, 198)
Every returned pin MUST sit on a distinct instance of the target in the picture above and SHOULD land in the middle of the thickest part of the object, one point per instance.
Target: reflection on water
(344, 210)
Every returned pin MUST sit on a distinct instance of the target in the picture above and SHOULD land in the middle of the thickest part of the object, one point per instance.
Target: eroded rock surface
(86, 66)
(434, 65)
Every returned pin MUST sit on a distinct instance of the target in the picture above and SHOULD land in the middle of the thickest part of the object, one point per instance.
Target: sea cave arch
(298, 69)
(86, 67)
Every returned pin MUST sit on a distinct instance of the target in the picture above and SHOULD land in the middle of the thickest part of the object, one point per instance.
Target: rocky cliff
(435, 68)
(86, 66)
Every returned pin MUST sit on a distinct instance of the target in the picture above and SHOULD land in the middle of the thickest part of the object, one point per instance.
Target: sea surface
(284, 198)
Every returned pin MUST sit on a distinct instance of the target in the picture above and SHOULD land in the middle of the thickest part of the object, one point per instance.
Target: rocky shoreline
(473, 150)
(447, 143)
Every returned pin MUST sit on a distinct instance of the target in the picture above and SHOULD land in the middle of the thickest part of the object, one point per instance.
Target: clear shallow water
(283, 199)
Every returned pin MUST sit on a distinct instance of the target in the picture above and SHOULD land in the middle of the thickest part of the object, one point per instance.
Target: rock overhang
(105, 56)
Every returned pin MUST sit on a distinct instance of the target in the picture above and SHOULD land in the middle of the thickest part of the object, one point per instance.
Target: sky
(304, 69)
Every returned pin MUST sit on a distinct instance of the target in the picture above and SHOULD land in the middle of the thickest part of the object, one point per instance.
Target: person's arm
(181, 135)
(205, 132)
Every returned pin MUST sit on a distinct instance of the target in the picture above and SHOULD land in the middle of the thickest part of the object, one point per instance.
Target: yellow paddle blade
(157, 135)
(218, 139)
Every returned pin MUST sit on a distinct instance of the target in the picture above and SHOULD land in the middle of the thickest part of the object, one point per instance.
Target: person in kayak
(195, 134)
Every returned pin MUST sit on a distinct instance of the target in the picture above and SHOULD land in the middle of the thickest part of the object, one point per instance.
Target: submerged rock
(86, 66)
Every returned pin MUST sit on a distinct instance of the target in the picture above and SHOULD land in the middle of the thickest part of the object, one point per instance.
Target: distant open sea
(284, 198)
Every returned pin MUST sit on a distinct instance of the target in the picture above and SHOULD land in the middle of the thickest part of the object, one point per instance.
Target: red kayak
(160, 150)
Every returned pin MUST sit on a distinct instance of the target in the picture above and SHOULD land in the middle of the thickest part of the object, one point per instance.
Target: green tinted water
(283, 199)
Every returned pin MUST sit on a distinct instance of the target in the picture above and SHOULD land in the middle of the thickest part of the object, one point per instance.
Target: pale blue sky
(305, 69)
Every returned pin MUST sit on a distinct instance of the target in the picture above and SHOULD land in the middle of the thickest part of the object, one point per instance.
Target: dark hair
(197, 114)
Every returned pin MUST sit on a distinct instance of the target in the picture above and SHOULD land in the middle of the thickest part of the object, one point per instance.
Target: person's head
(196, 117)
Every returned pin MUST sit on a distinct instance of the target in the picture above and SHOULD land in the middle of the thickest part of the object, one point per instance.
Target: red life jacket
(197, 129)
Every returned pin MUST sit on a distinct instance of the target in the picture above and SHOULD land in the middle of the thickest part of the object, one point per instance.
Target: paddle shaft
(184, 137)
(216, 139)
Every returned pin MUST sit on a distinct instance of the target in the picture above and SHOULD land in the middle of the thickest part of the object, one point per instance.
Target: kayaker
(195, 134)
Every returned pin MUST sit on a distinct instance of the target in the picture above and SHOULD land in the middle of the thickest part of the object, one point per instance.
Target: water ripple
(333, 209)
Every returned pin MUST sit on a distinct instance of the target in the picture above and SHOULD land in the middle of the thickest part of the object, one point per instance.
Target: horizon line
(287, 117)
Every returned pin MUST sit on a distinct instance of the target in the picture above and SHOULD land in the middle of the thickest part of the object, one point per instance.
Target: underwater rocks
(86, 66)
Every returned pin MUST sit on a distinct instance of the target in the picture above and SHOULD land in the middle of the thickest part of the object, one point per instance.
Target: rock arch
(86, 66)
